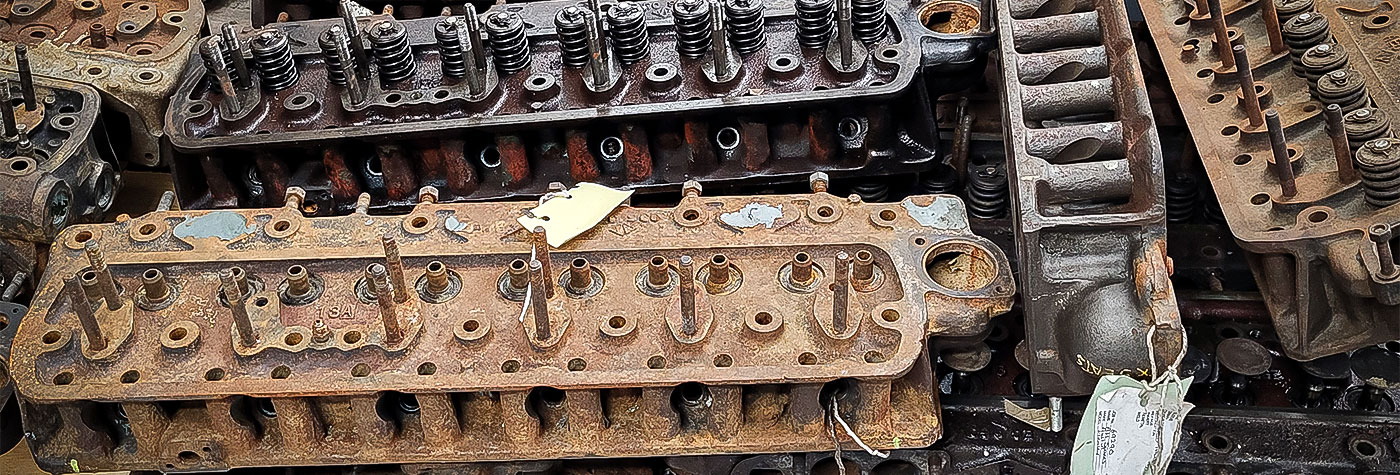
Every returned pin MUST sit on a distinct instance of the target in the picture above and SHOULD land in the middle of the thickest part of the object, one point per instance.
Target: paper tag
(568, 214)
(1130, 427)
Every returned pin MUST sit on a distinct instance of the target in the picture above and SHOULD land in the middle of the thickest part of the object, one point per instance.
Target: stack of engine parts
(1087, 193)
(149, 350)
(1290, 105)
(131, 51)
(639, 94)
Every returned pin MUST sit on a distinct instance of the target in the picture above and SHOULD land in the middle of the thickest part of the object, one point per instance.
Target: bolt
(212, 51)
(845, 36)
(155, 287)
(395, 264)
(378, 279)
(294, 197)
(86, 318)
(1222, 34)
(105, 284)
(819, 182)
(362, 204)
(167, 199)
(690, 188)
(428, 195)
(1245, 75)
(841, 293)
(1279, 145)
(238, 303)
(1272, 26)
(26, 77)
(541, 253)
(1341, 150)
(687, 292)
(539, 299)
(320, 333)
(12, 289)
(7, 110)
(1381, 234)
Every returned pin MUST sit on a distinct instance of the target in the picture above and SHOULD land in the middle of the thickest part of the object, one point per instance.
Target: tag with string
(1130, 426)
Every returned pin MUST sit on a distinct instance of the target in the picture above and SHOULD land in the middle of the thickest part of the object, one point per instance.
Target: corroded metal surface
(132, 52)
(622, 365)
(1085, 171)
(1307, 228)
(54, 171)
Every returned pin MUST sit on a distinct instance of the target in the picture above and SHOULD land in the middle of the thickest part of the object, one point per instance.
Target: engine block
(132, 52)
(262, 337)
(482, 107)
(1311, 85)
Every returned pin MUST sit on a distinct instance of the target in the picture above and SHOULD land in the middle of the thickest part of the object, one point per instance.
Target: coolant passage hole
(960, 266)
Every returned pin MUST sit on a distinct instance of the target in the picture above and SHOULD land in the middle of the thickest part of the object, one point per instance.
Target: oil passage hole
(887, 215)
(292, 339)
(763, 318)
(351, 337)
(82, 237)
(617, 322)
(52, 337)
(890, 315)
(470, 326)
(178, 333)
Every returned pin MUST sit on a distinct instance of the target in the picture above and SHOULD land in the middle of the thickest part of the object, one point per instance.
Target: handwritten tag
(1130, 427)
(568, 214)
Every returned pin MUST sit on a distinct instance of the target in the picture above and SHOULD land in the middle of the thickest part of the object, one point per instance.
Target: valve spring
(389, 41)
(1345, 88)
(628, 27)
(1183, 198)
(505, 32)
(1213, 213)
(1305, 31)
(745, 25)
(1320, 60)
(228, 61)
(454, 65)
(987, 193)
(871, 191)
(333, 60)
(1288, 9)
(1365, 124)
(1379, 164)
(692, 19)
(573, 36)
(868, 20)
(272, 56)
(815, 22)
(938, 182)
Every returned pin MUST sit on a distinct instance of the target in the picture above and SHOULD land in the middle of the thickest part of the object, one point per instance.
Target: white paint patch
(752, 215)
(225, 225)
(454, 225)
(942, 213)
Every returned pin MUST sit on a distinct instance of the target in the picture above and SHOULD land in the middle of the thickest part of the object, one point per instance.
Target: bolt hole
(281, 372)
(1215, 98)
(187, 457)
(1243, 159)
(1259, 199)
(178, 333)
(147, 229)
(723, 361)
(281, 226)
(887, 215)
(807, 358)
(261, 302)
(360, 370)
(1218, 443)
(82, 237)
(510, 366)
(1204, 73)
(1318, 216)
(656, 362)
(471, 326)
(214, 374)
(577, 364)
(131, 376)
(427, 369)
(292, 339)
(52, 337)
(63, 379)
(873, 356)
(1230, 130)
(617, 322)
(825, 211)
(351, 337)
(419, 222)
(690, 215)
